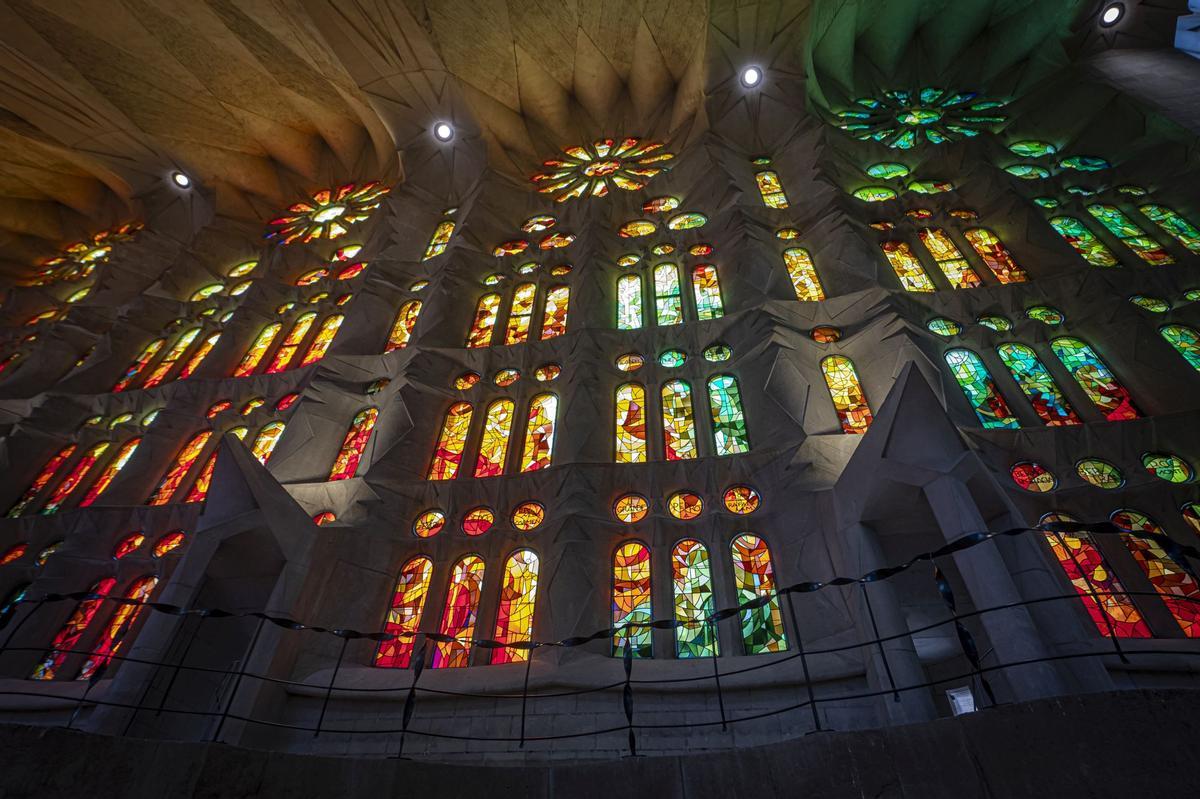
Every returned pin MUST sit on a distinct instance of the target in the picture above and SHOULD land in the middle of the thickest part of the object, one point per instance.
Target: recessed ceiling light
(751, 77)
(1112, 14)
(181, 180)
(443, 131)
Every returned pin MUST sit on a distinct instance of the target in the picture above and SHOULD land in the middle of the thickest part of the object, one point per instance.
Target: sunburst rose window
(328, 214)
(591, 170)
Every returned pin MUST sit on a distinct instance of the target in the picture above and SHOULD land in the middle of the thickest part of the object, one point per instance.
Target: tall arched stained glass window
(402, 329)
(803, 274)
(977, 384)
(997, 257)
(139, 364)
(631, 599)
(1095, 378)
(66, 639)
(117, 630)
(906, 266)
(493, 446)
(110, 472)
(1132, 236)
(404, 615)
(847, 394)
(1037, 384)
(354, 444)
(180, 468)
(631, 424)
(728, 417)
(1173, 224)
(554, 316)
(199, 490)
(439, 239)
(74, 477)
(295, 337)
(754, 578)
(320, 343)
(707, 288)
(172, 357)
(1093, 580)
(770, 188)
(949, 259)
(447, 454)
(458, 616)
(520, 314)
(258, 349)
(47, 474)
(518, 597)
(1177, 589)
(629, 302)
(199, 355)
(539, 433)
(1186, 342)
(679, 424)
(695, 637)
(1084, 241)
(265, 441)
(668, 298)
(484, 322)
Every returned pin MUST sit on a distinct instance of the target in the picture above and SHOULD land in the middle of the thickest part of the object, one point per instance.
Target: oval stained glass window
(1100, 473)
(528, 515)
(672, 358)
(700, 250)
(243, 269)
(944, 327)
(1033, 477)
(662, 249)
(514, 247)
(718, 353)
(997, 323)
(561, 269)
(478, 521)
(547, 372)
(1169, 467)
(206, 292)
(466, 380)
(536, 224)
(1151, 304)
(493, 279)
(636, 229)
(874, 194)
(825, 334)
(685, 505)
(418, 285)
(128, 544)
(660, 205)
(429, 523)
(1046, 315)
(687, 221)
(787, 233)
(168, 543)
(741, 499)
(630, 362)
(628, 259)
(556, 241)
(631, 508)
(1028, 171)
(308, 278)
(1032, 148)
(887, 170)
(506, 377)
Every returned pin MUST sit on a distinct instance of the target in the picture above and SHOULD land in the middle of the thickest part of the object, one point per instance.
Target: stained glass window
(631, 424)
(629, 302)
(849, 400)
(258, 349)
(770, 189)
(1033, 477)
(1132, 236)
(320, 343)
(754, 578)
(402, 329)
(708, 292)
(183, 463)
(906, 266)
(1095, 378)
(1037, 384)
(329, 214)
(668, 301)
(679, 426)
(447, 454)
(295, 337)
(520, 314)
(110, 472)
(1186, 342)
(1175, 586)
(1100, 473)
(977, 384)
(458, 616)
(265, 441)
(631, 599)
(995, 255)
(493, 447)
(1173, 224)
(518, 595)
(66, 639)
(692, 583)
(1169, 467)
(949, 259)
(554, 316)
(429, 523)
(803, 274)
(404, 616)
(117, 631)
(74, 477)
(143, 359)
(199, 490)
(47, 474)
(173, 355)
(199, 355)
(728, 417)
(354, 444)
(1084, 241)
(590, 170)
(1099, 589)
(439, 239)
(539, 433)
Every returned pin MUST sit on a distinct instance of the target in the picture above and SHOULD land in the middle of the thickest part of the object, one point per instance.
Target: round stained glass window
(685, 505)
(429, 523)
(825, 334)
(717, 353)
(561, 269)
(662, 249)
(1100, 473)
(1192, 295)
(466, 380)
(325, 517)
(630, 362)
(478, 521)
(741, 499)
(1151, 304)
(629, 259)
(528, 515)
(672, 358)
(529, 268)
(128, 544)
(631, 508)
(944, 327)
(493, 279)
(997, 323)
(660, 205)
(687, 221)
(547, 372)
(168, 543)
(636, 229)
(418, 285)
(1033, 477)
(506, 377)
(1191, 515)
(700, 250)
(1166, 466)
(536, 224)
(1046, 315)
(787, 233)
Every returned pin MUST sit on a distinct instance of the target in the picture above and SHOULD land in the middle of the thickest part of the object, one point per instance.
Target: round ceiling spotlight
(751, 77)
(181, 180)
(1112, 14)
(443, 131)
